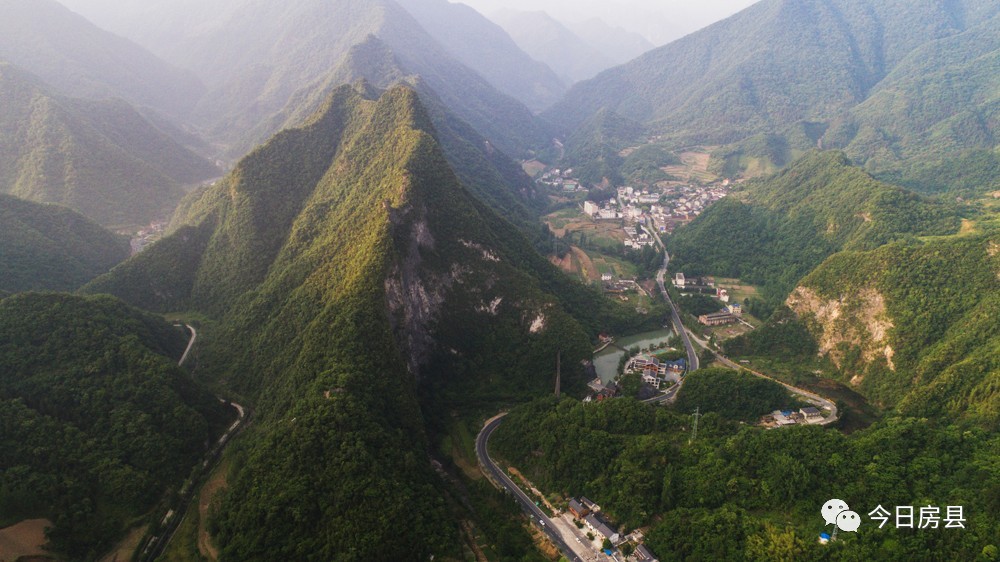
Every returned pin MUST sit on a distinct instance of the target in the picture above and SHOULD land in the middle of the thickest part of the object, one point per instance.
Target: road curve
(812, 397)
(501, 480)
(187, 350)
(155, 546)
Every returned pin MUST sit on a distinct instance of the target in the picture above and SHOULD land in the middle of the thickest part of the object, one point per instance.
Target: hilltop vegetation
(733, 395)
(46, 247)
(775, 231)
(97, 420)
(751, 494)
(100, 158)
(356, 270)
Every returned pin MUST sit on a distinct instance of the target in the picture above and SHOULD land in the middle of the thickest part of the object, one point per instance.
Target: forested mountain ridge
(352, 265)
(81, 60)
(775, 230)
(914, 326)
(97, 419)
(881, 78)
(47, 247)
(100, 158)
(485, 170)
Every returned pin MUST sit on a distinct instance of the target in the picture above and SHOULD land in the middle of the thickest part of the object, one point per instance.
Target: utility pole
(694, 433)
(558, 371)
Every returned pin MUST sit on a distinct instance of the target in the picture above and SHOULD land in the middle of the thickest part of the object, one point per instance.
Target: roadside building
(679, 280)
(602, 529)
(578, 509)
(587, 503)
(782, 418)
(717, 318)
(811, 414)
(643, 554)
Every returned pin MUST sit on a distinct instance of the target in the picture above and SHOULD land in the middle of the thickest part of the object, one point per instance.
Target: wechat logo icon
(836, 512)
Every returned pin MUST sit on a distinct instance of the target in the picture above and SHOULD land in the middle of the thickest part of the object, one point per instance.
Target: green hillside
(777, 229)
(914, 326)
(97, 419)
(894, 83)
(352, 267)
(593, 149)
(489, 173)
(46, 247)
(748, 493)
(81, 60)
(100, 158)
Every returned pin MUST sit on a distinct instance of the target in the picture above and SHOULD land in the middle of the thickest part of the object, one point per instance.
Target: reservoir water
(606, 362)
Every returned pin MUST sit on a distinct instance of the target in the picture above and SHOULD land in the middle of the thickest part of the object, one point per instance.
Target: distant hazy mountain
(81, 60)
(48, 247)
(486, 48)
(346, 264)
(775, 63)
(620, 45)
(98, 157)
(254, 55)
(548, 40)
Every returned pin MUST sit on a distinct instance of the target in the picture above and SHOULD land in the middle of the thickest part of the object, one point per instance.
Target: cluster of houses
(781, 418)
(561, 180)
(145, 237)
(656, 372)
(590, 513)
(732, 312)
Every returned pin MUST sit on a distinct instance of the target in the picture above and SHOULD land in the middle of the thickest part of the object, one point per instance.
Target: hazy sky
(660, 21)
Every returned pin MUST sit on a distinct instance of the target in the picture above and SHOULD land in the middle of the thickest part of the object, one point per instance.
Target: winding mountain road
(156, 545)
(502, 481)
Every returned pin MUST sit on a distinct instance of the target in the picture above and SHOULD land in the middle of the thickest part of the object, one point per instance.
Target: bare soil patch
(24, 539)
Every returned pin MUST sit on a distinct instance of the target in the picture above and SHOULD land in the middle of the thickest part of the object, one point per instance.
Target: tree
(606, 545)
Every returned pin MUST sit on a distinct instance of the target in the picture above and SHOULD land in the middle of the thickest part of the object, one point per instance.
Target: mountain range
(99, 157)
(574, 52)
(261, 58)
(78, 59)
(882, 78)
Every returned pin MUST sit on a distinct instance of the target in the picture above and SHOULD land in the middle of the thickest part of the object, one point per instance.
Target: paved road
(156, 545)
(497, 475)
(811, 397)
(675, 316)
(187, 350)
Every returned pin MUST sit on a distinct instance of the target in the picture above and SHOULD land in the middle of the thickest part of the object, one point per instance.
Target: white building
(590, 208)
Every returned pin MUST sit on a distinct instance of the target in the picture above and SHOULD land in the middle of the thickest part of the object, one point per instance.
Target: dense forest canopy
(97, 419)
(752, 494)
(46, 247)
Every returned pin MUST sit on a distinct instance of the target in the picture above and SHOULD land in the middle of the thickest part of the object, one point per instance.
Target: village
(660, 207)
